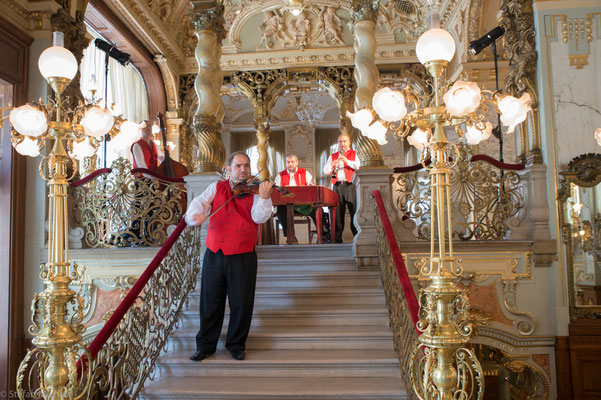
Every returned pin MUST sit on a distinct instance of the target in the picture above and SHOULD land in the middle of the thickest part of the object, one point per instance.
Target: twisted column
(366, 73)
(263, 131)
(209, 114)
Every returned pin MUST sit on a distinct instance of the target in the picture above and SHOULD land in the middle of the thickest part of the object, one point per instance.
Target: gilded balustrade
(403, 328)
(124, 209)
(128, 358)
(485, 201)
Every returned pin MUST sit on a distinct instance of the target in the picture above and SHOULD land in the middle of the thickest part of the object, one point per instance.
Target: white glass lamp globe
(97, 121)
(462, 98)
(28, 120)
(473, 135)
(377, 132)
(389, 104)
(435, 44)
(598, 136)
(56, 61)
(513, 110)
(155, 129)
(361, 119)
(82, 149)
(419, 138)
(28, 147)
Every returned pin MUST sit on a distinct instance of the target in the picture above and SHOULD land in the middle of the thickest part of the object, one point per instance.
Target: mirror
(579, 203)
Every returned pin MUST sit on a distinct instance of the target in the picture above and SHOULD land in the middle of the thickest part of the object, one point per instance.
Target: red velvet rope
(156, 175)
(477, 157)
(401, 269)
(110, 326)
(497, 163)
(88, 178)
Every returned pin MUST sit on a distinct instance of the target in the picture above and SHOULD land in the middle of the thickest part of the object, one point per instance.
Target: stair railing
(121, 206)
(116, 364)
(401, 301)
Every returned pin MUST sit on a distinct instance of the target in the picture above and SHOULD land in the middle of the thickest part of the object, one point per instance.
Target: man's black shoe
(338, 240)
(237, 355)
(199, 356)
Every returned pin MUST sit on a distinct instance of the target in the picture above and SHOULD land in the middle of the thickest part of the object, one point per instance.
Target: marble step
(304, 251)
(334, 337)
(350, 388)
(304, 264)
(300, 279)
(284, 364)
(353, 314)
(286, 298)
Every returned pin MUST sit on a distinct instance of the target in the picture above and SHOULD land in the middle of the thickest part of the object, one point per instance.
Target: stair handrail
(110, 367)
(401, 301)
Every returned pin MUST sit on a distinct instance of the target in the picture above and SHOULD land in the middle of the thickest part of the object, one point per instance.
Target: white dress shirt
(278, 179)
(327, 170)
(260, 212)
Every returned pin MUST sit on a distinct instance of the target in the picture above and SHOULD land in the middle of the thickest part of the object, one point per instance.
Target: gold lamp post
(58, 310)
(442, 367)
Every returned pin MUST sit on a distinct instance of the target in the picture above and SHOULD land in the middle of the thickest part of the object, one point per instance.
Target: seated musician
(293, 175)
(144, 151)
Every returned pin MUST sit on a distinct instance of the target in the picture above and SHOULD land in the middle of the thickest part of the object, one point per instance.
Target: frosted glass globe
(28, 147)
(435, 44)
(82, 149)
(57, 62)
(473, 135)
(361, 119)
(377, 132)
(28, 120)
(598, 136)
(97, 121)
(419, 138)
(513, 110)
(389, 104)
(463, 98)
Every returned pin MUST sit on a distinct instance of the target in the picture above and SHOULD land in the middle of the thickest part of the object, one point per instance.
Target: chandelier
(308, 111)
(68, 133)
(442, 366)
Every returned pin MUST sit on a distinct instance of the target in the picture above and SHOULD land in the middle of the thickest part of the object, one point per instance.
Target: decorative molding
(364, 10)
(169, 81)
(210, 19)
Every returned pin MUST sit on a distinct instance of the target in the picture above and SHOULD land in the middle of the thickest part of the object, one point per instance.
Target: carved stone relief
(316, 26)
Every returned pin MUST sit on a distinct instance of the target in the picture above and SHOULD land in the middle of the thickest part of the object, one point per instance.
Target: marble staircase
(320, 331)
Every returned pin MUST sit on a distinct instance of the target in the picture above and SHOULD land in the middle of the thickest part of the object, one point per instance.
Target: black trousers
(234, 276)
(347, 197)
(282, 214)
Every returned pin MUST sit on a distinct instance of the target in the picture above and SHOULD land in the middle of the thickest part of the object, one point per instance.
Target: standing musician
(293, 175)
(342, 166)
(230, 261)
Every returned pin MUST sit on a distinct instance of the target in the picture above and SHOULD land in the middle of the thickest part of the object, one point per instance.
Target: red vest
(231, 229)
(300, 177)
(348, 171)
(150, 154)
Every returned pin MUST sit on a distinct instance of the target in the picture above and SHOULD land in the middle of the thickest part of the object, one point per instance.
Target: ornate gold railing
(487, 197)
(401, 301)
(125, 207)
(124, 352)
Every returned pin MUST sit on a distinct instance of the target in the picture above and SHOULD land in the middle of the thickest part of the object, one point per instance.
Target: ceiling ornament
(309, 112)
(210, 19)
(319, 26)
(364, 10)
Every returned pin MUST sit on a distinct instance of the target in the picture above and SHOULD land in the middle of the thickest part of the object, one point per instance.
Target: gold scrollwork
(483, 200)
(122, 209)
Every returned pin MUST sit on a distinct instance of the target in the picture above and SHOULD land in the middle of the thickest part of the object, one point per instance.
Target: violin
(243, 189)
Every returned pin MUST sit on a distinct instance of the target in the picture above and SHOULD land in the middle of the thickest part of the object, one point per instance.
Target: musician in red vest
(342, 166)
(230, 261)
(293, 175)
(144, 151)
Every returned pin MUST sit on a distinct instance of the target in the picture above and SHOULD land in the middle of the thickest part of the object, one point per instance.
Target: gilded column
(207, 120)
(263, 131)
(364, 14)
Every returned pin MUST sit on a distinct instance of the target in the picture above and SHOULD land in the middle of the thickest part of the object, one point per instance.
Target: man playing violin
(230, 260)
(342, 166)
(293, 175)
